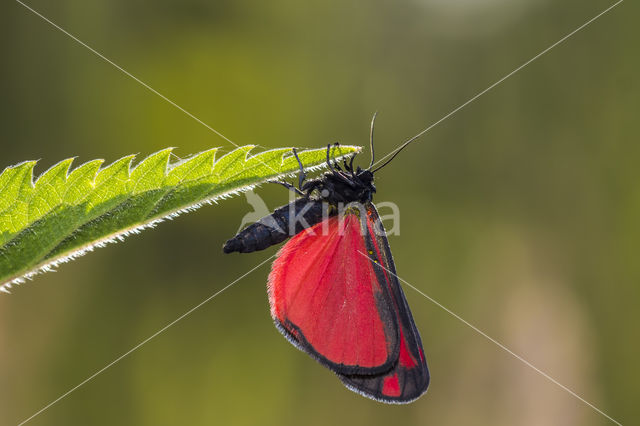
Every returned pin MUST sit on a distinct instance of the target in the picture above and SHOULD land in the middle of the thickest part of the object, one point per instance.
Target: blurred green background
(519, 213)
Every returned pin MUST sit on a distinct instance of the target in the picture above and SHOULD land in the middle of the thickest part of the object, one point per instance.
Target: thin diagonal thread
(563, 39)
(503, 347)
(136, 347)
(124, 71)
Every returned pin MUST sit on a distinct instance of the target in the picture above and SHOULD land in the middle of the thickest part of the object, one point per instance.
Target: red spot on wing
(325, 293)
(405, 359)
(391, 385)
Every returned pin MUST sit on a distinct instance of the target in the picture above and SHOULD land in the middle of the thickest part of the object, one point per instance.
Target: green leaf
(66, 213)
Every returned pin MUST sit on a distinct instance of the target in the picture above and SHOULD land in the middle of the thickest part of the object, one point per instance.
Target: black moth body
(274, 229)
(320, 198)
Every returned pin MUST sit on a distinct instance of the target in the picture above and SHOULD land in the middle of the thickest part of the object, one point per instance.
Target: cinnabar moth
(333, 289)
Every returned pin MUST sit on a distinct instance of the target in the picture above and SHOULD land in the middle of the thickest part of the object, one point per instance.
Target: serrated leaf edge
(50, 265)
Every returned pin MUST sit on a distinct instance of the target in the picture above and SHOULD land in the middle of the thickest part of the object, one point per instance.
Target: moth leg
(310, 186)
(335, 162)
(302, 176)
(287, 185)
(329, 159)
(335, 166)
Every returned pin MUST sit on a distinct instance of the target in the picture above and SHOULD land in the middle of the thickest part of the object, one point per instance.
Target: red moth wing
(327, 299)
(409, 377)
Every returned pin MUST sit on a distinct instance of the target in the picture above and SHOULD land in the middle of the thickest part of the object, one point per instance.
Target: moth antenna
(403, 146)
(373, 123)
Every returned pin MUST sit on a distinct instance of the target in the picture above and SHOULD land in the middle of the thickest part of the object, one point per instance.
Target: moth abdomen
(284, 222)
